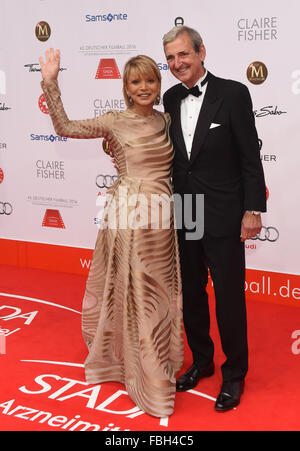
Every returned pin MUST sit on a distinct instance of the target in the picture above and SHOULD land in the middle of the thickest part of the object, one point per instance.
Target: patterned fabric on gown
(132, 311)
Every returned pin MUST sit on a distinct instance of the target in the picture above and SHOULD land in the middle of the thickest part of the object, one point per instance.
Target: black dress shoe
(190, 379)
(230, 395)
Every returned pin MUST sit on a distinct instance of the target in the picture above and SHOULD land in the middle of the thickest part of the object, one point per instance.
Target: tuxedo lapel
(176, 127)
(211, 103)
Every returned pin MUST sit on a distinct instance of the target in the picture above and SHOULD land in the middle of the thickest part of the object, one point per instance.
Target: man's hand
(114, 161)
(251, 225)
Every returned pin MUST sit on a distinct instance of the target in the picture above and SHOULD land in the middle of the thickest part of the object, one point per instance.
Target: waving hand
(50, 68)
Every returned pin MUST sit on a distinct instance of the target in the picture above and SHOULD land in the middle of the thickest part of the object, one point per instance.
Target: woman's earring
(130, 101)
(157, 100)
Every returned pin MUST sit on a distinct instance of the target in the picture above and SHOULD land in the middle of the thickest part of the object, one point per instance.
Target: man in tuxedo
(216, 154)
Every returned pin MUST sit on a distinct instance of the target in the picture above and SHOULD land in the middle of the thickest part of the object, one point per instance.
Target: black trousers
(225, 259)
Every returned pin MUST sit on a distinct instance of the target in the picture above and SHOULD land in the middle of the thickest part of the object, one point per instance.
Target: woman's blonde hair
(144, 66)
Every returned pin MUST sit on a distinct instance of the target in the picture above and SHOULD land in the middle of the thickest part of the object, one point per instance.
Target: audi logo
(5, 208)
(105, 181)
(267, 234)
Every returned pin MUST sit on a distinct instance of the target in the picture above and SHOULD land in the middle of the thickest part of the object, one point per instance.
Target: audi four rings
(105, 181)
(267, 234)
(5, 208)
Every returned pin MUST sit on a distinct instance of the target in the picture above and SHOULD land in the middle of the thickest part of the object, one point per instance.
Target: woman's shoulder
(108, 118)
(166, 116)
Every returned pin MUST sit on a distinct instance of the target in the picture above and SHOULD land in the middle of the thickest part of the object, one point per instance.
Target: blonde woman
(132, 312)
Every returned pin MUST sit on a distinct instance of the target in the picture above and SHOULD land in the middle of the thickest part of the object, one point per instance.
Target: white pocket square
(212, 125)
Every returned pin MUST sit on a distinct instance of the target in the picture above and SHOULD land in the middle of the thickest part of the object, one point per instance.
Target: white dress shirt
(190, 109)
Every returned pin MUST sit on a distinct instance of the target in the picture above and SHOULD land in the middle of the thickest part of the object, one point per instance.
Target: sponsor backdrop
(52, 189)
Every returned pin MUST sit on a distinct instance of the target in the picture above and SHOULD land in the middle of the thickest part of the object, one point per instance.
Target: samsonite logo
(48, 138)
(106, 17)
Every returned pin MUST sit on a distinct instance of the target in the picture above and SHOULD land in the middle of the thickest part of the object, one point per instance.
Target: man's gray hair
(193, 34)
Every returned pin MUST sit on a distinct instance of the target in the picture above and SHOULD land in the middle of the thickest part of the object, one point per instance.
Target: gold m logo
(257, 72)
(42, 31)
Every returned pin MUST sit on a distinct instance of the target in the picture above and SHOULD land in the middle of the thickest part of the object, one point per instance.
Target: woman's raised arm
(81, 129)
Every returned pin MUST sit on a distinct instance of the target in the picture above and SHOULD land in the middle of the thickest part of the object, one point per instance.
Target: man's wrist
(254, 212)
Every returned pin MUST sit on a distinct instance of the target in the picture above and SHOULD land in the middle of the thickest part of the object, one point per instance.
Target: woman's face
(143, 89)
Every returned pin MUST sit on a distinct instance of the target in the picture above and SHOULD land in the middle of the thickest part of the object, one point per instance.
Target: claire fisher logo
(266, 157)
(102, 106)
(258, 29)
(50, 170)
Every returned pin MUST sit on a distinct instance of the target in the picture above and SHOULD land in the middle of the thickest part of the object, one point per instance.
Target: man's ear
(202, 52)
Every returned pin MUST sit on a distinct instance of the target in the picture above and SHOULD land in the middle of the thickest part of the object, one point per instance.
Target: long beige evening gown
(132, 311)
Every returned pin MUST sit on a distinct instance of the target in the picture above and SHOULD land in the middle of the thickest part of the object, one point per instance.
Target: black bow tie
(194, 91)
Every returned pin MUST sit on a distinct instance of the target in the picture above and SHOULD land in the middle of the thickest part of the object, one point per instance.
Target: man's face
(185, 64)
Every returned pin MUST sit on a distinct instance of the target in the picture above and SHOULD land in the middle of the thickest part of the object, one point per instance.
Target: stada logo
(108, 68)
(53, 218)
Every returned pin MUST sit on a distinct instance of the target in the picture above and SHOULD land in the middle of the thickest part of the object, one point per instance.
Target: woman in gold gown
(132, 312)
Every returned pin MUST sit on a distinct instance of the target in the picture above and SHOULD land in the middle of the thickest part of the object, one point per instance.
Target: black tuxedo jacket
(225, 162)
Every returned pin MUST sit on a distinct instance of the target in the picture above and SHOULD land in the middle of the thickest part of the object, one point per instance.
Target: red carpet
(42, 379)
